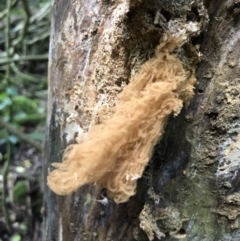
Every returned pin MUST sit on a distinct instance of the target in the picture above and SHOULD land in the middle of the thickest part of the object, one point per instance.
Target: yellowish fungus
(117, 151)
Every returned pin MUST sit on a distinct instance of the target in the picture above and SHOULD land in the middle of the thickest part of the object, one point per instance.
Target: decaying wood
(190, 189)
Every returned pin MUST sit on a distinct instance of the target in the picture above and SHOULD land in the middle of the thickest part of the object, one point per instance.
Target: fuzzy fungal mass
(117, 151)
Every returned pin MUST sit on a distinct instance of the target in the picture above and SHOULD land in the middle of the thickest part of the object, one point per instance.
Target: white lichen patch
(234, 198)
(179, 27)
(68, 117)
(149, 224)
(230, 152)
(73, 131)
(159, 221)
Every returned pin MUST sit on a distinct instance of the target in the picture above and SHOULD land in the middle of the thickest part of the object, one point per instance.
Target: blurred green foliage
(22, 85)
(24, 112)
(24, 41)
(20, 192)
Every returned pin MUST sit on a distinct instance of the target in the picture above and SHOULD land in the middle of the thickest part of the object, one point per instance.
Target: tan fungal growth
(117, 151)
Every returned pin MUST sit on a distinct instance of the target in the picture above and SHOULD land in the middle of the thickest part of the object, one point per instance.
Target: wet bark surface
(190, 189)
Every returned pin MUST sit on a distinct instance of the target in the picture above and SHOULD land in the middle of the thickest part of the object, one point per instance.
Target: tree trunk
(190, 189)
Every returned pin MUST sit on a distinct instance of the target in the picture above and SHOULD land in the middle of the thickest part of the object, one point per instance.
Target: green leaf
(5, 102)
(19, 115)
(38, 136)
(24, 104)
(22, 226)
(30, 119)
(20, 169)
(3, 134)
(16, 237)
(3, 95)
(12, 139)
(20, 192)
(11, 90)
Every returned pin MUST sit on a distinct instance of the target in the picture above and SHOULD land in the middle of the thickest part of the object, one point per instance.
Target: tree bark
(190, 189)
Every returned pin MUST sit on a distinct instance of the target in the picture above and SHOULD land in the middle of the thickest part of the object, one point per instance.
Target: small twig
(21, 75)
(42, 13)
(20, 135)
(7, 37)
(4, 191)
(33, 40)
(7, 161)
(25, 25)
(5, 11)
(24, 58)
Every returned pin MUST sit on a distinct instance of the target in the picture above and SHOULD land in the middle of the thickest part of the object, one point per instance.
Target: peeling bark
(190, 190)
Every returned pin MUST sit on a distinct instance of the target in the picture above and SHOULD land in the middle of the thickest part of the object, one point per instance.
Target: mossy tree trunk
(190, 189)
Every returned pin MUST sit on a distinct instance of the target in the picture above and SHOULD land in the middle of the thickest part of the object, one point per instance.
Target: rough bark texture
(190, 190)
